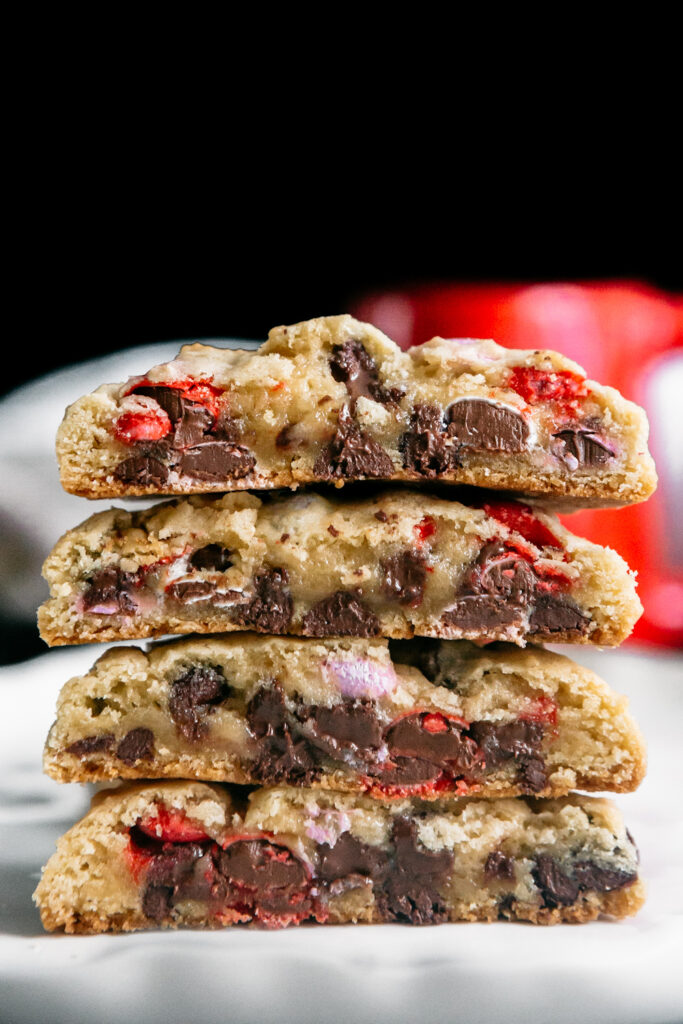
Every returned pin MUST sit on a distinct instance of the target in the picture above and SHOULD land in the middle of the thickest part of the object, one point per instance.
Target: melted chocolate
(352, 365)
(424, 445)
(483, 426)
(585, 446)
(404, 577)
(91, 745)
(352, 453)
(270, 609)
(341, 614)
(136, 745)
(143, 471)
(110, 587)
(193, 695)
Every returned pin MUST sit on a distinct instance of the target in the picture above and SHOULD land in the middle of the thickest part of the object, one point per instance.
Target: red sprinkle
(142, 426)
(425, 528)
(172, 827)
(541, 709)
(560, 386)
(521, 519)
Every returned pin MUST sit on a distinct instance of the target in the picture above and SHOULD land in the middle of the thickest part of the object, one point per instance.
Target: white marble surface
(626, 973)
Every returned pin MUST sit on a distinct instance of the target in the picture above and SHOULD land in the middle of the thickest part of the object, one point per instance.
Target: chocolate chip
(481, 614)
(333, 531)
(591, 876)
(157, 902)
(352, 365)
(405, 575)
(499, 866)
(226, 428)
(193, 695)
(91, 744)
(520, 741)
(585, 446)
(341, 614)
(279, 757)
(483, 426)
(533, 774)
(285, 439)
(216, 460)
(109, 591)
(557, 888)
(136, 745)
(556, 613)
(212, 557)
(270, 609)
(424, 445)
(352, 723)
(410, 893)
(351, 453)
(194, 424)
(405, 771)
(351, 856)
(168, 398)
(251, 862)
(448, 748)
(188, 592)
(381, 516)
(494, 593)
(143, 471)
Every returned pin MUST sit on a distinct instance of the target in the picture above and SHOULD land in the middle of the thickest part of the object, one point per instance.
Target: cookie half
(171, 854)
(426, 718)
(396, 564)
(334, 399)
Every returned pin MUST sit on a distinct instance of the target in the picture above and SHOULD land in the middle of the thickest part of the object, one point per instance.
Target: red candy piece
(521, 519)
(137, 859)
(425, 528)
(541, 709)
(202, 392)
(548, 386)
(172, 827)
(434, 723)
(142, 426)
(443, 784)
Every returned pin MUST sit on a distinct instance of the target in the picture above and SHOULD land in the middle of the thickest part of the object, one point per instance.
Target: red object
(424, 529)
(142, 426)
(520, 518)
(541, 709)
(171, 827)
(627, 335)
(201, 392)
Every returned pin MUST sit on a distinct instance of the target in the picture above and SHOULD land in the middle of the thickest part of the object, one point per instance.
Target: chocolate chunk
(533, 774)
(494, 593)
(485, 427)
(226, 428)
(91, 744)
(168, 398)
(481, 614)
(157, 902)
(410, 893)
(260, 864)
(557, 888)
(404, 577)
(332, 530)
(194, 424)
(381, 516)
(279, 757)
(109, 591)
(190, 591)
(213, 557)
(499, 866)
(351, 453)
(406, 771)
(349, 724)
(590, 876)
(556, 613)
(136, 745)
(270, 609)
(193, 696)
(216, 460)
(585, 446)
(143, 471)
(424, 445)
(341, 614)
(351, 856)
(520, 741)
(447, 749)
(352, 365)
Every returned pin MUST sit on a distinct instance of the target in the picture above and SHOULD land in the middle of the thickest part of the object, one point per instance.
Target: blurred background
(599, 287)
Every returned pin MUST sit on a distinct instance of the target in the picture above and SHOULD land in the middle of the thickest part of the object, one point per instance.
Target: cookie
(423, 718)
(393, 564)
(335, 400)
(172, 854)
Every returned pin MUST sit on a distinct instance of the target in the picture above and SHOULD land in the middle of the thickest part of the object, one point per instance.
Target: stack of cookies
(364, 725)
